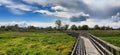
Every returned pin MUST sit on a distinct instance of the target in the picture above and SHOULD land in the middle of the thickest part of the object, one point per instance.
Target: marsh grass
(35, 43)
(111, 36)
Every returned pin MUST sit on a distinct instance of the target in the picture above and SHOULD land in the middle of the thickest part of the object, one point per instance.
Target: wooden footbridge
(87, 44)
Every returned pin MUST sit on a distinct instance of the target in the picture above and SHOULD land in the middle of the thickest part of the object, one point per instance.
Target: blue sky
(43, 13)
(7, 15)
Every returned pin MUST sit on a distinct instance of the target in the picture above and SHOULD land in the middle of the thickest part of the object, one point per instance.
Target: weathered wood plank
(90, 49)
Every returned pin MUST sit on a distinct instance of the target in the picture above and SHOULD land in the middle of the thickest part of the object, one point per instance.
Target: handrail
(103, 47)
(79, 47)
(75, 46)
(113, 49)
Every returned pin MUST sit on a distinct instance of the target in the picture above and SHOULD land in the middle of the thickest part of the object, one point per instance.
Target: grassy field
(34, 43)
(111, 36)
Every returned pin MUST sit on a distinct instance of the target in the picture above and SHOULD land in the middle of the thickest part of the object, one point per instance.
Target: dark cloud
(102, 9)
(79, 18)
(100, 13)
(74, 5)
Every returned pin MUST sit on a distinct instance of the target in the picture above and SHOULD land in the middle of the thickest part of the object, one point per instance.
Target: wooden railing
(103, 47)
(79, 47)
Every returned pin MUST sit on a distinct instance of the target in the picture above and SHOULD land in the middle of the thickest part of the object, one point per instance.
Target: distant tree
(109, 28)
(73, 27)
(2, 28)
(58, 24)
(103, 28)
(48, 28)
(9, 28)
(15, 27)
(31, 28)
(96, 27)
(85, 27)
(65, 27)
(118, 28)
(54, 28)
(79, 27)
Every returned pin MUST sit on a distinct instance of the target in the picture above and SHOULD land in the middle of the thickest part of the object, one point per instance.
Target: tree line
(58, 27)
(83, 27)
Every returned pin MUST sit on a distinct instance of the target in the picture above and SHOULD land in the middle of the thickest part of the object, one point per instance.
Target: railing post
(109, 48)
(114, 51)
(119, 52)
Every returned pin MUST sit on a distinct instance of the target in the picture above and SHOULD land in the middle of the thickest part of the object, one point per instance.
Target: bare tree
(58, 24)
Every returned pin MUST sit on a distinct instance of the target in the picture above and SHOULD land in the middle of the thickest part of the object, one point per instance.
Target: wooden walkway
(87, 44)
(90, 49)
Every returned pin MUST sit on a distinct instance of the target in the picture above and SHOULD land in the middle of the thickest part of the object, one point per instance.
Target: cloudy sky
(44, 12)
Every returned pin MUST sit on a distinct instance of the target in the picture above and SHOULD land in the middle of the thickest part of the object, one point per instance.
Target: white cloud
(36, 1)
(69, 8)
(59, 8)
(41, 2)
(25, 24)
(62, 14)
(58, 14)
(116, 18)
(101, 4)
(19, 8)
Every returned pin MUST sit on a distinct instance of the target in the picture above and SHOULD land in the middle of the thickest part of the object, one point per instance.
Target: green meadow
(35, 43)
(111, 36)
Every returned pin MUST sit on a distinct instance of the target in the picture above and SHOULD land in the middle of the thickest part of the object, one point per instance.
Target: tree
(65, 27)
(2, 28)
(79, 27)
(96, 27)
(103, 28)
(109, 28)
(73, 27)
(16, 27)
(48, 28)
(85, 27)
(31, 28)
(58, 24)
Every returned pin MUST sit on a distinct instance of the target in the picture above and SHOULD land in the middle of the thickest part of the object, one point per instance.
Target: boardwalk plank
(90, 49)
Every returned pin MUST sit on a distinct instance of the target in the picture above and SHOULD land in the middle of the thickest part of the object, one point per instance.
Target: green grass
(111, 36)
(34, 43)
(112, 40)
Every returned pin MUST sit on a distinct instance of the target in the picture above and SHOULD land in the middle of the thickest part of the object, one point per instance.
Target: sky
(43, 13)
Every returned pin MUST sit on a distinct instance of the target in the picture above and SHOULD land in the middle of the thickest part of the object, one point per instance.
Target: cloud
(58, 14)
(18, 8)
(25, 24)
(40, 2)
(69, 9)
(74, 17)
(100, 9)
(59, 8)
(79, 18)
(101, 4)
(116, 18)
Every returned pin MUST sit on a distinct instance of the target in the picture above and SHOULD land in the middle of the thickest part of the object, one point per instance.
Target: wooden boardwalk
(90, 49)
(87, 44)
